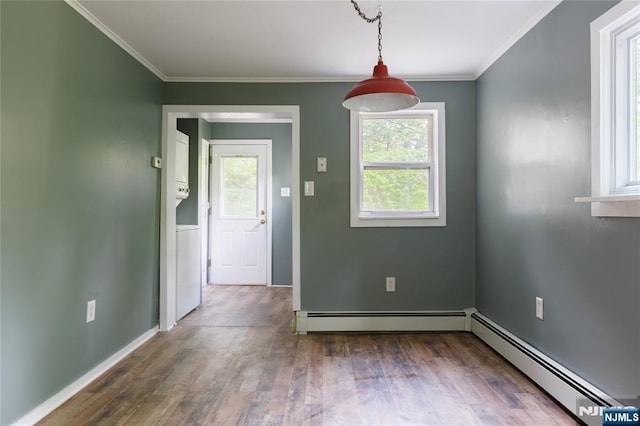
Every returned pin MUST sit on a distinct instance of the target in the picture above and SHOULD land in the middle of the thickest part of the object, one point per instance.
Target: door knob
(262, 212)
(262, 222)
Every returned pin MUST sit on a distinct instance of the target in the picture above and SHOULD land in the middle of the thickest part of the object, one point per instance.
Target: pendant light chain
(370, 21)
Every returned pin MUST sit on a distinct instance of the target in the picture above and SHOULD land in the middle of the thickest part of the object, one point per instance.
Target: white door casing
(241, 221)
(203, 211)
(170, 114)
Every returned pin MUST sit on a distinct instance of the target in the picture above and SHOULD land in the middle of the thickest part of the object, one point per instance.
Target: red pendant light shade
(381, 93)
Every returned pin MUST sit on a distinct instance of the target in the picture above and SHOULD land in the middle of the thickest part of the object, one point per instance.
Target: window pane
(395, 190)
(395, 139)
(239, 186)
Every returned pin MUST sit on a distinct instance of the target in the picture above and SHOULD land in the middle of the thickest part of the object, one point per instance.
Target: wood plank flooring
(234, 361)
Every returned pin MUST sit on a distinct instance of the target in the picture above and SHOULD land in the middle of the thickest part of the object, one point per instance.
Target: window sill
(625, 205)
(387, 222)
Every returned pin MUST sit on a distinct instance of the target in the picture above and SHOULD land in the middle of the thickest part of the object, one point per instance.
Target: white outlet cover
(539, 308)
(391, 284)
(322, 164)
(91, 310)
(285, 192)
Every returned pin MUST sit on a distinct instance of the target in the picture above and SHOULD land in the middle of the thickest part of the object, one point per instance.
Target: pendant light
(381, 92)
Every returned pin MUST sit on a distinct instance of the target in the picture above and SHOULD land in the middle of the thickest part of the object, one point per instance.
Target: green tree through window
(396, 164)
(239, 186)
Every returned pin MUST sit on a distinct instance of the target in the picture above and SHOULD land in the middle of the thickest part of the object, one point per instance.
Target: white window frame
(612, 34)
(437, 216)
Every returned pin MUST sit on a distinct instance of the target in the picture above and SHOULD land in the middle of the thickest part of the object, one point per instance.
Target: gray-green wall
(280, 135)
(344, 268)
(80, 202)
(533, 240)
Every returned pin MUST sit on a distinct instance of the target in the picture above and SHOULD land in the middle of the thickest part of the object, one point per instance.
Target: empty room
(320, 212)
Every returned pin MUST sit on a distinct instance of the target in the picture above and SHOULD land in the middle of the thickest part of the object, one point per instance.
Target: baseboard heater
(573, 392)
(317, 322)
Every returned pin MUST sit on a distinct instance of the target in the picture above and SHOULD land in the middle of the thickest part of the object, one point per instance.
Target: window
(239, 187)
(398, 167)
(624, 102)
(615, 112)
(634, 148)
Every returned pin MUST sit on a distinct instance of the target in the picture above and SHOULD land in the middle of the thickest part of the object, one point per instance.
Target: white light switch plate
(285, 192)
(309, 188)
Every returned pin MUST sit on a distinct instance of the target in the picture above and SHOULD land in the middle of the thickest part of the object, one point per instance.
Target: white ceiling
(312, 40)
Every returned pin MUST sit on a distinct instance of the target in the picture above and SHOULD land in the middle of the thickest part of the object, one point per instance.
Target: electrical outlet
(322, 164)
(539, 308)
(391, 284)
(91, 310)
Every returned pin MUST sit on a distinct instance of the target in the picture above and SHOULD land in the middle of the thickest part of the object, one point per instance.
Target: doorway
(240, 235)
(257, 113)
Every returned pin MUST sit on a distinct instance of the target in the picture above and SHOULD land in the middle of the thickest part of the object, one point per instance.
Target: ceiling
(312, 40)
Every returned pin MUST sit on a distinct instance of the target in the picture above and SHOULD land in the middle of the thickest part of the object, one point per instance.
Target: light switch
(322, 164)
(309, 188)
(285, 192)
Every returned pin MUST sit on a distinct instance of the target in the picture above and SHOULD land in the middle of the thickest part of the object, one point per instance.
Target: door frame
(268, 195)
(204, 203)
(170, 115)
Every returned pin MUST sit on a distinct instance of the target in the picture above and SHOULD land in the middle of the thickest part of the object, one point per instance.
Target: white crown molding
(517, 36)
(307, 79)
(114, 37)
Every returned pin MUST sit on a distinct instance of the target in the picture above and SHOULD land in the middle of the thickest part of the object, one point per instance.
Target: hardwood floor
(235, 361)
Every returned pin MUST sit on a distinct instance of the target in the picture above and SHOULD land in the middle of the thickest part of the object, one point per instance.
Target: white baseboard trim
(340, 321)
(565, 386)
(42, 410)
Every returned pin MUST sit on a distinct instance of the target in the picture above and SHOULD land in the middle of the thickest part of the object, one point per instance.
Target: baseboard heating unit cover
(573, 392)
(309, 322)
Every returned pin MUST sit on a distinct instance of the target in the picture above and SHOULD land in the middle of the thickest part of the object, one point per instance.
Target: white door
(239, 228)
